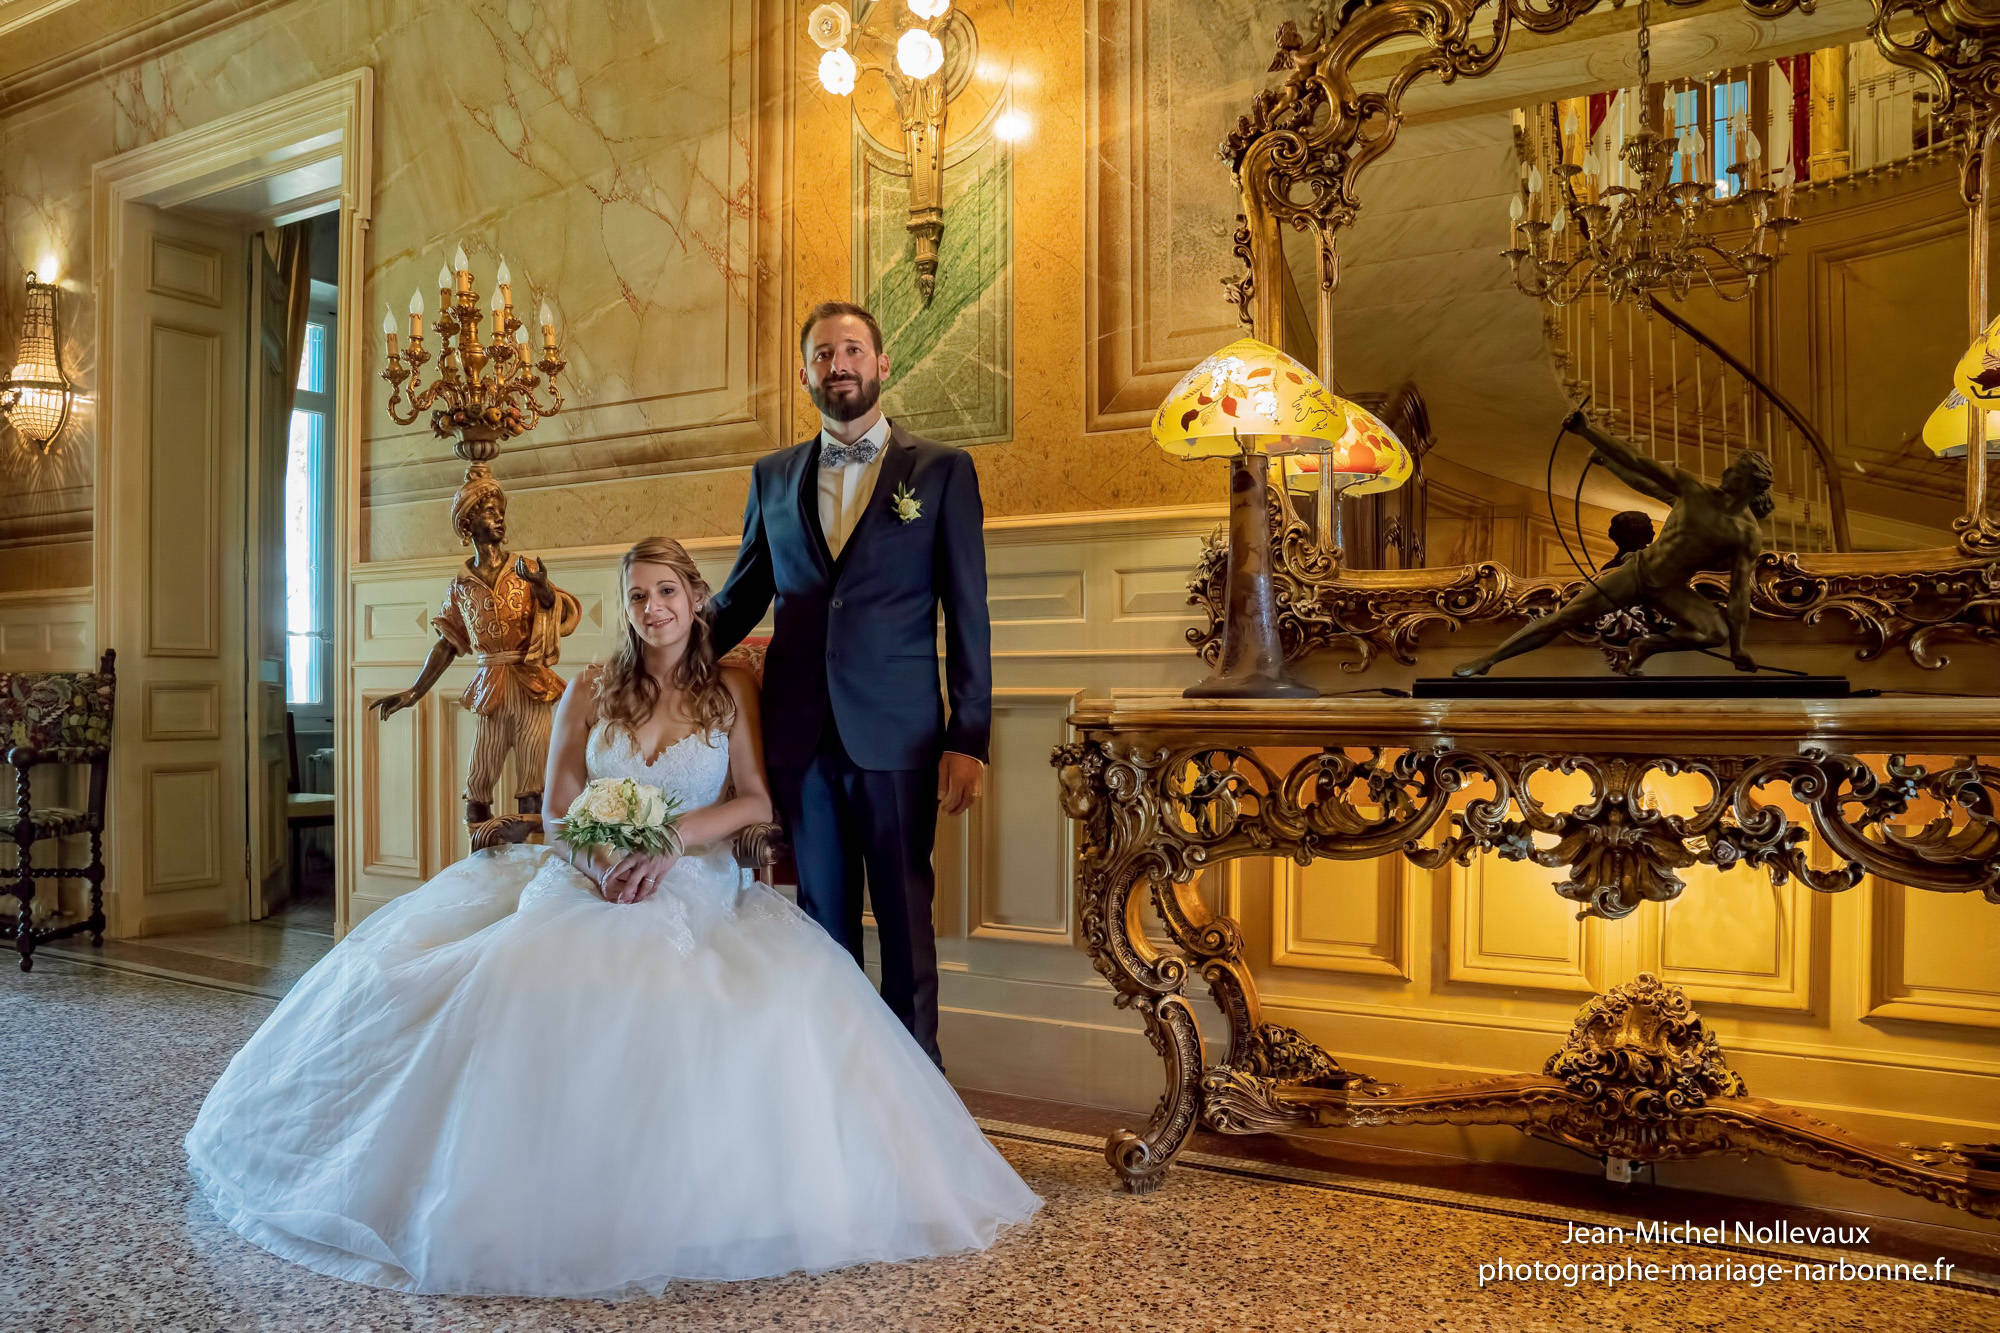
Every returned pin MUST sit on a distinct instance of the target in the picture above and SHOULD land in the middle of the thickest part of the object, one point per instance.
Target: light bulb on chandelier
(828, 26)
(837, 72)
(918, 54)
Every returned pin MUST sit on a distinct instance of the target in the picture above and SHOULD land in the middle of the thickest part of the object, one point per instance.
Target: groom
(862, 533)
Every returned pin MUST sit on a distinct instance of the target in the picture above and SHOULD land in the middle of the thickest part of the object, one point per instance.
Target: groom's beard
(845, 406)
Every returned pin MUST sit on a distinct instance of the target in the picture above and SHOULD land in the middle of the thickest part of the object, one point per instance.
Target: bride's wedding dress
(502, 1083)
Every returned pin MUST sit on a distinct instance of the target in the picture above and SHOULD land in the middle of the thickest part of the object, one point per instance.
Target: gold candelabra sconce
(904, 43)
(36, 397)
(484, 393)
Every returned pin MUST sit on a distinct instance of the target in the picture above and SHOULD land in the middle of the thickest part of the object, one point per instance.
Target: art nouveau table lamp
(1366, 460)
(1250, 403)
(1976, 379)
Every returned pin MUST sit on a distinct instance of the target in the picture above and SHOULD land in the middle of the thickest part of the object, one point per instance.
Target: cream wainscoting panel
(47, 631)
(1019, 888)
(1508, 927)
(1343, 916)
(1411, 974)
(1931, 956)
(1734, 938)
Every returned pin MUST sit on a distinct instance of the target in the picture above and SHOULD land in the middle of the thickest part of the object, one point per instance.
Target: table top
(1902, 723)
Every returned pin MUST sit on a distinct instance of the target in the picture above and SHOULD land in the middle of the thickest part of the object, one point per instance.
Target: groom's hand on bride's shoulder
(961, 779)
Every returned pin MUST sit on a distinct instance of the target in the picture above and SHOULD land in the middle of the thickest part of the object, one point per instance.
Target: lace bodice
(692, 771)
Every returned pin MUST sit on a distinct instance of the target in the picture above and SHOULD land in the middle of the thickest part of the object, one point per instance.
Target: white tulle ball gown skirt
(501, 1083)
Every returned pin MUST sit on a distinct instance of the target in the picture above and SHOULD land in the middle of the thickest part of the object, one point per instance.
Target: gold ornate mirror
(1349, 265)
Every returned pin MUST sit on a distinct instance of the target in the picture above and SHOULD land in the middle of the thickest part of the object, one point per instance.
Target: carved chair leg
(1141, 1158)
(23, 890)
(95, 878)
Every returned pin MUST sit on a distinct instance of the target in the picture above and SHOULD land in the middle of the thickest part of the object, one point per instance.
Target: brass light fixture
(36, 397)
(1653, 234)
(910, 58)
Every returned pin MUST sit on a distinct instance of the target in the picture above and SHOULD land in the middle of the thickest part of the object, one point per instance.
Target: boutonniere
(908, 507)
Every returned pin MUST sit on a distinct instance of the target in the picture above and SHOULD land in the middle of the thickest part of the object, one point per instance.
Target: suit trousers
(851, 827)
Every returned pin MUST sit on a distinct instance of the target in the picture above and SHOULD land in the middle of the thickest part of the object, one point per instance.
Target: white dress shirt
(844, 491)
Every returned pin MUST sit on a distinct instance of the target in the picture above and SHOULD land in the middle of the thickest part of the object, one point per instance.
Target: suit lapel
(805, 491)
(899, 458)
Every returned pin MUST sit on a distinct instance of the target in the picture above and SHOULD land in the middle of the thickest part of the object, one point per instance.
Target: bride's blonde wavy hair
(627, 694)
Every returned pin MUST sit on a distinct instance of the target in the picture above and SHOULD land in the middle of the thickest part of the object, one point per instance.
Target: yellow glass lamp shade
(1950, 423)
(1367, 458)
(1977, 376)
(1249, 397)
(1371, 453)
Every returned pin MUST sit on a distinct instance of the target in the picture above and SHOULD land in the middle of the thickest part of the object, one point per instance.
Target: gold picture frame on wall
(1296, 156)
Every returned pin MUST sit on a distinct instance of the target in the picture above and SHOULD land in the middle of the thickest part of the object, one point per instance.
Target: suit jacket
(858, 636)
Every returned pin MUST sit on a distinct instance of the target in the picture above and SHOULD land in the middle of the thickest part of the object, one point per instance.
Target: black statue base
(1742, 686)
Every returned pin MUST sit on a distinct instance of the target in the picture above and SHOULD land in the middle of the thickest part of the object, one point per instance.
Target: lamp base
(1251, 685)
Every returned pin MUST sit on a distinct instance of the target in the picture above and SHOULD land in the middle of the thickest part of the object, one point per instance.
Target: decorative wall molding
(105, 52)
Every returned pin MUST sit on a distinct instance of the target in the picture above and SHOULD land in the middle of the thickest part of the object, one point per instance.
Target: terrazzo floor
(102, 1070)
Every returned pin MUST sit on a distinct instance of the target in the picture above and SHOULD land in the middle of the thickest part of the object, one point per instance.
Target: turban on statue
(478, 485)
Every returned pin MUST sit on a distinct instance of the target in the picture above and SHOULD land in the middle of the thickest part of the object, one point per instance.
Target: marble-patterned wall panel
(627, 158)
(952, 359)
(1168, 78)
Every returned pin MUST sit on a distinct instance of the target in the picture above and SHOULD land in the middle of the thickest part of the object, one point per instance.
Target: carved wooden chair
(761, 848)
(49, 718)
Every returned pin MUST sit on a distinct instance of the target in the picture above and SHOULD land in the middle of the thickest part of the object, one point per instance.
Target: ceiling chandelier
(1645, 232)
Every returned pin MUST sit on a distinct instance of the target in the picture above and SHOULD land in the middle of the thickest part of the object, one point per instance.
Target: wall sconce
(36, 398)
(916, 80)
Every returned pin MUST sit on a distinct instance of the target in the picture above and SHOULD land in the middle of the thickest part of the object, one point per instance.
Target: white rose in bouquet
(624, 815)
(605, 802)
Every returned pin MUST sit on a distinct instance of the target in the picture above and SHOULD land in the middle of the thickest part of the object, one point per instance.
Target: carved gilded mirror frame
(1296, 158)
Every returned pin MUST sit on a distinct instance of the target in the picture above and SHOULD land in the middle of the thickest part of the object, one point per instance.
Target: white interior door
(172, 576)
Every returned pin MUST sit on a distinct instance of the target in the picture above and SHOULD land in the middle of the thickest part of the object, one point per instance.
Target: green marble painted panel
(951, 362)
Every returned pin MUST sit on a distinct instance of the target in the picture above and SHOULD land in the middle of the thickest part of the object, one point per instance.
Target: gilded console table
(1164, 787)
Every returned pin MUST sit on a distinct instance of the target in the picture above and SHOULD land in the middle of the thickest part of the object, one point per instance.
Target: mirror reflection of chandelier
(1655, 225)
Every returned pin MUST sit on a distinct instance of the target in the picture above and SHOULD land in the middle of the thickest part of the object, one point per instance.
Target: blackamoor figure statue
(1709, 527)
(505, 611)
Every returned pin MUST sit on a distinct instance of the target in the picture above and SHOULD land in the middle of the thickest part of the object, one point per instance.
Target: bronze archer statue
(1708, 527)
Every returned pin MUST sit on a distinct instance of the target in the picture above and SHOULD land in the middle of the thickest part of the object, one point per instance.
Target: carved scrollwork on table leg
(1641, 1077)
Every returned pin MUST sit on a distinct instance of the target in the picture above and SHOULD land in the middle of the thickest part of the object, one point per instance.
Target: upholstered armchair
(50, 718)
(761, 848)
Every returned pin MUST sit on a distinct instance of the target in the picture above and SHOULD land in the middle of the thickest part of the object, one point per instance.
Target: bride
(543, 1074)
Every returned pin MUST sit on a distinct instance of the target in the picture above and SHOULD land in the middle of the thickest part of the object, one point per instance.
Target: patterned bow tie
(834, 454)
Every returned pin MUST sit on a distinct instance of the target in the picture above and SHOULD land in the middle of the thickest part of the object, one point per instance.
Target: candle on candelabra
(463, 267)
(416, 316)
(499, 319)
(444, 289)
(548, 323)
(505, 281)
(389, 329)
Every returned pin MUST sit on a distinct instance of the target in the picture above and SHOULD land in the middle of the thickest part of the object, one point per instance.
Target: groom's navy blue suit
(853, 721)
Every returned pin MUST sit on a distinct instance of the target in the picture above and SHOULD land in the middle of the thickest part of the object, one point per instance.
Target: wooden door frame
(332, 119)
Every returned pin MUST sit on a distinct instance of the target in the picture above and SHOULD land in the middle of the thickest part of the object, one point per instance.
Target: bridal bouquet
(624, 815)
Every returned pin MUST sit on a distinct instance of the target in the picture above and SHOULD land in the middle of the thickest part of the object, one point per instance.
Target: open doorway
(225, 520)
(299, 266)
